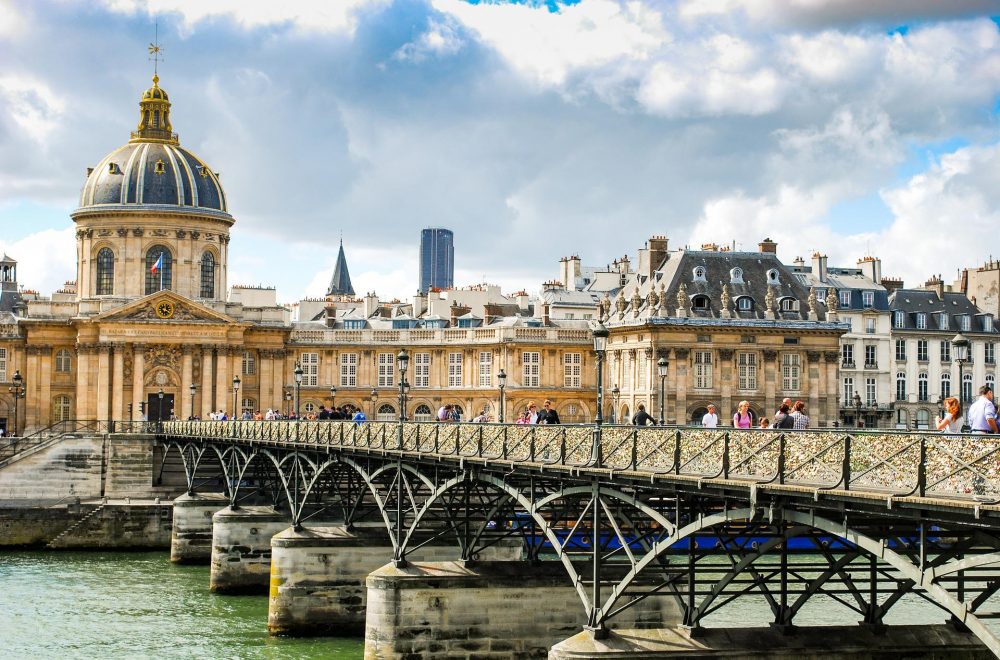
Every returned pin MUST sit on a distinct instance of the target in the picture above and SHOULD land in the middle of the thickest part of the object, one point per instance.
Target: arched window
(945, 385)
(64, 361)
(744, 304)
(309, 407)
(772, 276)
(923, 418)
(922, 387)
(736, 276)
(900, 386)
(990, 382)
(698, 273)
(422, 414)
(901, 422)
(386, 413)
(159, 269)
(105, 272)
(207, 275)
(787, 304)
(967, 389)
(61, 408)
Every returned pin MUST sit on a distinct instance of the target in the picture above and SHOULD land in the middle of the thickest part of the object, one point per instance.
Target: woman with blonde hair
(952, 420)
(743, 418)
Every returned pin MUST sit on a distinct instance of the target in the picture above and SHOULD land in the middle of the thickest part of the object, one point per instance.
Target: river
(139, 605)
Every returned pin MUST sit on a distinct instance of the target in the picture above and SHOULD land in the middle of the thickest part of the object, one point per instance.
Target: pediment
(165, 307)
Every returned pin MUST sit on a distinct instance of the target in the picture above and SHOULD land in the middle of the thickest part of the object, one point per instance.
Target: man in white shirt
(982, 413)
(710, 420)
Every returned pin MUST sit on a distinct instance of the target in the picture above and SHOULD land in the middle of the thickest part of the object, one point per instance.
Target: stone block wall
(120, 525)
(69, 467)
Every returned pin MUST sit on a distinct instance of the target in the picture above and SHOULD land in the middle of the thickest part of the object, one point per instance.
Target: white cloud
(439, 40)
(308, 16)
(12, 22)
(45, 260)
(32, 105)
(549, 46)
(818, 13)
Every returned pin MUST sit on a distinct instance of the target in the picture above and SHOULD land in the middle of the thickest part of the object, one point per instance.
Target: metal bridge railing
(903, 464)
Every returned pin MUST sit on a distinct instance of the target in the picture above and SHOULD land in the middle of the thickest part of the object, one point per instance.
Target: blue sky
(532, 129)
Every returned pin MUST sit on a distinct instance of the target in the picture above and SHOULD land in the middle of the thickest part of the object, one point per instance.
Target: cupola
(154, 116)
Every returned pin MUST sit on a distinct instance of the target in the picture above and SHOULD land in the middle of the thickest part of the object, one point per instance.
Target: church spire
(340, 283)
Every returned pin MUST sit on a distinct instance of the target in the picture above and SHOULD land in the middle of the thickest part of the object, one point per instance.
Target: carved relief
(681, 353)
(84, 233)
(195, 235)
(159, 232)
(181, 311)
(831, 356)
(160, 355)
(104, 232)
(813, 356)
(831, 300)
(726, 353)
(180, 233)
(161, 377)
(770, 354)
(122, 232)
(138, 231)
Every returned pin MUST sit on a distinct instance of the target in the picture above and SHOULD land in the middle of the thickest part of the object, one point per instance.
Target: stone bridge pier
(241, 548)
(191, 536)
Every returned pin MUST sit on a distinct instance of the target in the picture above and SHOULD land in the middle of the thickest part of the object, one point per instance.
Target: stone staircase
(58, 541)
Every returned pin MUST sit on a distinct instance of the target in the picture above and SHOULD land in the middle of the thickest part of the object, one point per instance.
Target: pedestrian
(765, 423)
(444, 413)
(783, 418)
(548, 414)
(532, 413)
(743, 418)
(710, 420)
(524, 418)
(800, 420)
(952, 420)
(784, 402)
(359, 417)
(455, 414)
(641, 417)
(983, 413)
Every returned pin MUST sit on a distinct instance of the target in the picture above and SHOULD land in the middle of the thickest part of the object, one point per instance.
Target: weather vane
(155, 49)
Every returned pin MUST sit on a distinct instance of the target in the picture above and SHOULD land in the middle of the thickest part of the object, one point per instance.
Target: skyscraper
(437, 259)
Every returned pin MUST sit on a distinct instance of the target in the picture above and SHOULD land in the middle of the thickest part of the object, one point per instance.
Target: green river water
(139, 605)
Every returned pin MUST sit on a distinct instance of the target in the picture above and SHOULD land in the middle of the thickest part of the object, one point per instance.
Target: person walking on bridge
(641, 417)
(982, 413)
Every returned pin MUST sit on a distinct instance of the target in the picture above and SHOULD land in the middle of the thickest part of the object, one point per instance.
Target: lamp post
(600, 347)
(374, 397)
(960, 351)
(615, 396)
(333, 398)
(661, 368)
(297, 372)
(17, 390)
(236, 392)
(193, 388)
(402, 362)
(288, 402)
(501, 383)
(159, 414)
(857, 410)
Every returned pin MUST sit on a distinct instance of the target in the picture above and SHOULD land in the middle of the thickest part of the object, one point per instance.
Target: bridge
(645, 522)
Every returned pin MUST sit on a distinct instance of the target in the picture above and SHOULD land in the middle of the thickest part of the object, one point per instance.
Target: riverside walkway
(698, 517)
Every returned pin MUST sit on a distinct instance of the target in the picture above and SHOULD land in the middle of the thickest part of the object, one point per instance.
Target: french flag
(158, 265)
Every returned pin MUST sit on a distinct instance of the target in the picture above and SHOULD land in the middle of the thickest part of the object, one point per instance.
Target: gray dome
(153, 173)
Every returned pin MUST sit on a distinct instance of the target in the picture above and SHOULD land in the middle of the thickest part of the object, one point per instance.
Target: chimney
(767, 246)
(545, 313)
(936, 284)
(799, 262)
(892, 284)
(491, 313)
(819, 266)
(522, 300)
(551, 285)
(330, 313)
(456, 311)
(371, 304)
(651, 257)
(871, 267)
(419, 303)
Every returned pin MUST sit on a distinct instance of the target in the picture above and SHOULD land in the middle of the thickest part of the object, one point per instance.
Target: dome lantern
(154, 116)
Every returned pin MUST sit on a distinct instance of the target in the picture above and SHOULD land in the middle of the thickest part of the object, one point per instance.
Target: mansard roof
(914, 301)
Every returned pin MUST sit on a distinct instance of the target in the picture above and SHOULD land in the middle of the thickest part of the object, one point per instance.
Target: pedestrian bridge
(695, 518)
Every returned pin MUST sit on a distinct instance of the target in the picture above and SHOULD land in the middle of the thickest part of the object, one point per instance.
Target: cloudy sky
(532, 129)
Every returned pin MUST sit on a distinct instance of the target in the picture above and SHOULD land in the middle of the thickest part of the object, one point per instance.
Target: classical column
(84, 358)
(770, 372)
(32, 378)
(680, 366)
(236, 367)
(278, 365)
(45, 388)
(103, 380)
(138, 385)
(205, 395)
(118, 382)
(832, 413)
(187, 371)
(265, 371)
(813, 370)
(725, 372)
(223, 386)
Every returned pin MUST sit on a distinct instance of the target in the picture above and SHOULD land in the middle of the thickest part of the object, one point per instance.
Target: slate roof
(956, 305)
(850, 279)
(340, 283)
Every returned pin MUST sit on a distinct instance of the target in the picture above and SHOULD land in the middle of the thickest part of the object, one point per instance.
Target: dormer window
(943, 321)
(898, 319)
(845, 298)
(736, 276)
(921, 321)
(963, 322)
(114, 169)
(772, 276)
(699, 303)
(159, 167)
(787, 304)
(868, 298)
(699, 273)
(203, 171)
(354, 324)
(821, 294)
(744, 304)
(987, 324)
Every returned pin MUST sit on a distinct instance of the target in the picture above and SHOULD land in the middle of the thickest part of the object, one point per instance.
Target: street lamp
(193, 388)
(857, 410)
(18, 392)
(297, 372)
(402, 361)
(159, 414)
(288, 402)
(960, 350)
(615, 396)
(600, 347)
(236, 390)
(374, 397)
(501, 383)
(661, 368)
(333, 398)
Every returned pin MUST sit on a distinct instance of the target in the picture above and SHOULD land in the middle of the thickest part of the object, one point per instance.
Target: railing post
(848, 444)
(562, 446)
(677, 451)
(503, 431)
(531, 444)
(781, 458)
(635, 449)
(479, 441)
(922, 469)
(725, 456)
